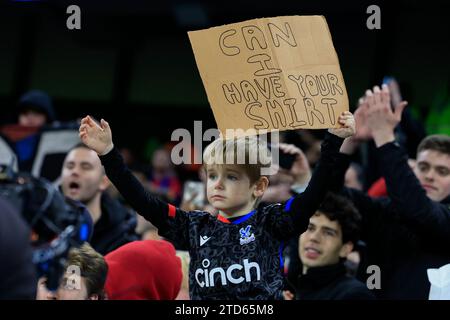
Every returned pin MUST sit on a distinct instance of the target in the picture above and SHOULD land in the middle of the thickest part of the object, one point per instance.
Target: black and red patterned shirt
(238, 259)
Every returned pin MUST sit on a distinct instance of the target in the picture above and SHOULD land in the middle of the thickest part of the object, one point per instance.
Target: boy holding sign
(237, 254)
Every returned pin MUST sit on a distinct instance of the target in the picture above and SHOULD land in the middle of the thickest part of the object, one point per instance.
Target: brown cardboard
(273, 73)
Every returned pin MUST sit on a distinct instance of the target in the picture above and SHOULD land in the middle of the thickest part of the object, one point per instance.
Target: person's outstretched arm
(404, 189)
(302, 207)
(98, 137)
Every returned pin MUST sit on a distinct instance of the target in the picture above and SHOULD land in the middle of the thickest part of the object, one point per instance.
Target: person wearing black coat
(115, 227)
(323, 247)
(83, 179)
(409, 231)
(331, 283)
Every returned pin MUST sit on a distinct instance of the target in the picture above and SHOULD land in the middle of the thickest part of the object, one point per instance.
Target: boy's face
(228, 189)
(321, 244)
(433, 171)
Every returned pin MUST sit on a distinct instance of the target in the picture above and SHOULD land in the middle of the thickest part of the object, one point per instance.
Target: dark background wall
(132, 63)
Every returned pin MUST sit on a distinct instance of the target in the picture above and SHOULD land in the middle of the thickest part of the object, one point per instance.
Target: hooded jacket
(143, 270)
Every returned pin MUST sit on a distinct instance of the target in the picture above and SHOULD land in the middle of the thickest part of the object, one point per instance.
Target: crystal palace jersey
(239, 259)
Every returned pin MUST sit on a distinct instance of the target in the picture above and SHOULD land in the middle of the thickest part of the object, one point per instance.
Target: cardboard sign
(274, 73)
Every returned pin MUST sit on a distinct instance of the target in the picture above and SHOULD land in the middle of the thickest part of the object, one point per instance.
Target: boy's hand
(381, 120)
(347, 121)
(95, 136)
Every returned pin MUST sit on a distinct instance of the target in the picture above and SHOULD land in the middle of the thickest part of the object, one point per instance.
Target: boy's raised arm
(304, 205)
(98, 137)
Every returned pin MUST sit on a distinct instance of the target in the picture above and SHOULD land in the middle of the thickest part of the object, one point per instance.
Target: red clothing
(170, 186)
(143, 270)
(378, 189)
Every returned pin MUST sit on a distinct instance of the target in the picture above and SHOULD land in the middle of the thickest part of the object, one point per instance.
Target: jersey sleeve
(172, 222)
(292, 218)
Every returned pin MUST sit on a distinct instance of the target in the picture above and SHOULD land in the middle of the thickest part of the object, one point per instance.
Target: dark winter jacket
(115, 227)
(330, 283)
(406, 233)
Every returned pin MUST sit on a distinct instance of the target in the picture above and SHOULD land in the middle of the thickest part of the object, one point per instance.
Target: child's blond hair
(250, 153)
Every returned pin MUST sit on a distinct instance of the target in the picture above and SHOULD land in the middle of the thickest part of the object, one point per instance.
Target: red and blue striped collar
(237, 221)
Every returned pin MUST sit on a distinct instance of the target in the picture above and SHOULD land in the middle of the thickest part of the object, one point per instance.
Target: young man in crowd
(323, 248)
(90, 282)
(409, 231)
(84, 277)
(84, 180)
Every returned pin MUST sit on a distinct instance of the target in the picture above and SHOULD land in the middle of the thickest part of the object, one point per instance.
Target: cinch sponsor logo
(233, 274)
